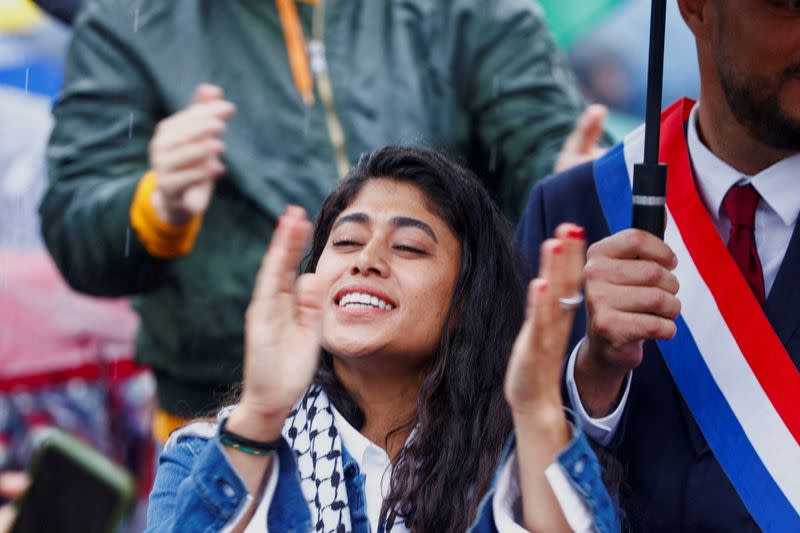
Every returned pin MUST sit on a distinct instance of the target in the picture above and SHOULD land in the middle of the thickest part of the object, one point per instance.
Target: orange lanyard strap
(296, 49)
(304, 70)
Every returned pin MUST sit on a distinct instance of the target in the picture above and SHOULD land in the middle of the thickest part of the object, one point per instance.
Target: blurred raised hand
(12, 485)
(185, 156)
(582, 145)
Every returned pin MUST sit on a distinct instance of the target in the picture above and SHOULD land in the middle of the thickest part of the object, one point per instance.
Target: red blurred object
(49, 333)
(66, 360)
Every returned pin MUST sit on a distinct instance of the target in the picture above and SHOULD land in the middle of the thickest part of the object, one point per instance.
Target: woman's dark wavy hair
(462, 419)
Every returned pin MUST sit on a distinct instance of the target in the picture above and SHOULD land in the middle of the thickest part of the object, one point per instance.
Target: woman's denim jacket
(196, 489)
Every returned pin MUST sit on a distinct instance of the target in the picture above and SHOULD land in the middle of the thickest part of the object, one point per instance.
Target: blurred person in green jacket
(147, 200)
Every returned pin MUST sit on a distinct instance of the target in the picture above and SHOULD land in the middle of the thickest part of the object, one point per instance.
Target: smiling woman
(385, 245)
(378, 391)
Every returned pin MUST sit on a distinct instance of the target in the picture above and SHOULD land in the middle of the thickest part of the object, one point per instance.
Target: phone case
(99, 475)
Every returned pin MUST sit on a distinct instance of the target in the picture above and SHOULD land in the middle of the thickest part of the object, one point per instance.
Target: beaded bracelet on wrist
(243, 444)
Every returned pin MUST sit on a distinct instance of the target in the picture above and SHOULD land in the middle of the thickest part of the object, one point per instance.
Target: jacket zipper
(319, 66)
(309, 65)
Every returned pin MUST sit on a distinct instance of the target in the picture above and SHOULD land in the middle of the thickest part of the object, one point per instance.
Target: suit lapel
(782, 304)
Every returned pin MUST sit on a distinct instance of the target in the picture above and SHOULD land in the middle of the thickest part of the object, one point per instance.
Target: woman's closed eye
(352, 243)
(340, 243)
(410, 249)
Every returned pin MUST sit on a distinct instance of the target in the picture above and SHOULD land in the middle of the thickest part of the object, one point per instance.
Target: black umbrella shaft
(650, 177)
(655, 79)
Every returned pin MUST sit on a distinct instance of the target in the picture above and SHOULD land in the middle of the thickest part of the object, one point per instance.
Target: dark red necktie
(740, 204)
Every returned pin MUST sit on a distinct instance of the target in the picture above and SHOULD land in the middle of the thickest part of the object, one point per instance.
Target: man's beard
(755, 104)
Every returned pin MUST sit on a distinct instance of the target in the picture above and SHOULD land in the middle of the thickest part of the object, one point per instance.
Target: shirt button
(579, 466)
(226, 487)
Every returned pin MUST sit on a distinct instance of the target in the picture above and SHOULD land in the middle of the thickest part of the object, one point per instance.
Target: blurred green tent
(568, 20)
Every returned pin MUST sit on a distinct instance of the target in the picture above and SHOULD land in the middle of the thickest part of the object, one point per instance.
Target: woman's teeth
(358, 300)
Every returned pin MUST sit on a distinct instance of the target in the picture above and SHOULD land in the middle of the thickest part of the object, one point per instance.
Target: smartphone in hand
(74, 489)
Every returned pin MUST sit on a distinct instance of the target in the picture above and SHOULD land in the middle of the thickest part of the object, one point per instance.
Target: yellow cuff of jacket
(160, 238)
(165, 423)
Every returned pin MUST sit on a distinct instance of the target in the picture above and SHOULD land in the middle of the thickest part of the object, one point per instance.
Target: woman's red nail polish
(576, 233)
(558, 247)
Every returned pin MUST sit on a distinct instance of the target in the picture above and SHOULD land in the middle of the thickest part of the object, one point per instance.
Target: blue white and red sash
(733, 372)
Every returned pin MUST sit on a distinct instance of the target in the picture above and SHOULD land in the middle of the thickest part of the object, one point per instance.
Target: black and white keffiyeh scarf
(317, 446)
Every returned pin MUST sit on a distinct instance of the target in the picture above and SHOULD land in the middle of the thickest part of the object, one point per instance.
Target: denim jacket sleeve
(197, 489)
(583, 471)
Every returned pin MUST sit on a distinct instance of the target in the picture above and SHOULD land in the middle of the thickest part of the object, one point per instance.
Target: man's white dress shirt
(776, 215)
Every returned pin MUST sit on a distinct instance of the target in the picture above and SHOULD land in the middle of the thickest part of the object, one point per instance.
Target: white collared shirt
(776, 216)
(375, 465)
(778, 185)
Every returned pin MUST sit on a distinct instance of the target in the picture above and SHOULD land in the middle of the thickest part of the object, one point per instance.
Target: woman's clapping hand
(533, 378)
(282, 325)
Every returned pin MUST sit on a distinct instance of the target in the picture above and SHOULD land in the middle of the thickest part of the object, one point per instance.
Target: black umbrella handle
(650, 177)
(650, 198)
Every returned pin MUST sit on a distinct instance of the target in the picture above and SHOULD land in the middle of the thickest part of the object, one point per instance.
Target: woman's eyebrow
(359, 218)
(398, 222)
(402, 222)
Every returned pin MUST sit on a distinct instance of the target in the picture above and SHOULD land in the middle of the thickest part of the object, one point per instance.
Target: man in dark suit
(743, 143)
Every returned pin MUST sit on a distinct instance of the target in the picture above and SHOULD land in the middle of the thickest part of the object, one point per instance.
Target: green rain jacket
(480, 79)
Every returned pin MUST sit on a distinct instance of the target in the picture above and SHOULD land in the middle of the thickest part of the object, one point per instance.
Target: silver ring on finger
(569, 303)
